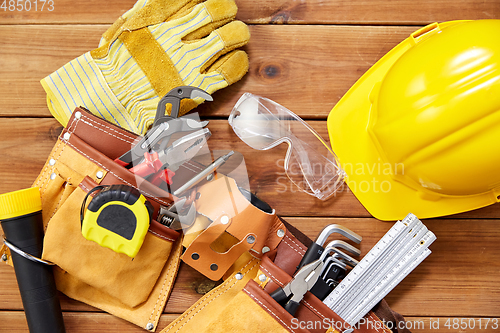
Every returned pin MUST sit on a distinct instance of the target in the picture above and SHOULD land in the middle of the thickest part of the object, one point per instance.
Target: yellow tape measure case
(118, 218)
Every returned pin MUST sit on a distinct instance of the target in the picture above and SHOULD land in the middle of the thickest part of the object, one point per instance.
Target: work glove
(154, 47)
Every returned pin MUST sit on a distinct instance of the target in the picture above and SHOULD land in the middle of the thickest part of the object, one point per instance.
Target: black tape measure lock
(118, 218)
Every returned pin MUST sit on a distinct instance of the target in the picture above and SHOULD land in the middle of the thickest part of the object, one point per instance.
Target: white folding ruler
(395, 255)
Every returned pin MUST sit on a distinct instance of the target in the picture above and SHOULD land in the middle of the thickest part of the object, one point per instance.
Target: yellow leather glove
(154, 47)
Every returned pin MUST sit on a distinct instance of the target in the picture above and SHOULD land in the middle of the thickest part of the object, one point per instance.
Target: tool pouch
(242, 302)
(312, 315)
(133, 289)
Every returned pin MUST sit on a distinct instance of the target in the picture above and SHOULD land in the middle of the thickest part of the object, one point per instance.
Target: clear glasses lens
(254, 123)
(309, 163)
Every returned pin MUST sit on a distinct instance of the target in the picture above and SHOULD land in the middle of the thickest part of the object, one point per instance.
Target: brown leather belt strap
(235, 222)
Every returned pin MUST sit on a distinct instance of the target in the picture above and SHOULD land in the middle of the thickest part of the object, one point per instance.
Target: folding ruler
(395, 255)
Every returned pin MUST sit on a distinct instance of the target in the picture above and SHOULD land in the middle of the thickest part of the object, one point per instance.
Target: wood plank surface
(460, 277)
(452, 324)
(305, 55)
(15, 322)
(403, 12)
(88, 323)
(305, 68)
(25, 144)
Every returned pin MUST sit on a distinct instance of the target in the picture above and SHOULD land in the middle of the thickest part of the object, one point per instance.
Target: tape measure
(118, 218)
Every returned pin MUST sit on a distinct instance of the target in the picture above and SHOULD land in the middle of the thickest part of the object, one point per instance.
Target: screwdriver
(205, 172)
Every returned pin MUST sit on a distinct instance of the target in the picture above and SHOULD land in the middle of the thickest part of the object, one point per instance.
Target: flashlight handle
(35, 280)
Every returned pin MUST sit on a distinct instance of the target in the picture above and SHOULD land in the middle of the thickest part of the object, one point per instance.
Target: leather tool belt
(83, 157)
(235, 237)
(242, 302)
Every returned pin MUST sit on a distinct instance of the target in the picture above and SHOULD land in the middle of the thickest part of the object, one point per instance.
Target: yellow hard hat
(419, 131)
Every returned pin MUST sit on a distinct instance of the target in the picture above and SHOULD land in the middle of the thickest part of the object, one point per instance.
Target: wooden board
(75, 322)
(86, 323)
(403, 12)
(454, 280)
(25, 144)
(304, 55)
(305, 68)
(449, 324)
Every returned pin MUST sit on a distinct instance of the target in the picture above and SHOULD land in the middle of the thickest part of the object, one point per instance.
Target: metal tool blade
(305, 279)
(202, 94)
(184, 148)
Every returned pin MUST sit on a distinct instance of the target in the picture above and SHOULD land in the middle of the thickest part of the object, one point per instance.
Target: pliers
(165, 126)
(180, 151)
(302, 282)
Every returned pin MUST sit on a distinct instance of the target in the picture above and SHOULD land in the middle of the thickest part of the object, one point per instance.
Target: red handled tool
(157, 138)
(163, 164)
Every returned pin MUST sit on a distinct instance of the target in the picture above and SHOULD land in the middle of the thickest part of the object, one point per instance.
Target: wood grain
(304, 55)
(305, 68)
(403, 12)
(460, 277)
(452, 324)
(406, 12)
(25, 144)
(15, 322)
(74, 322)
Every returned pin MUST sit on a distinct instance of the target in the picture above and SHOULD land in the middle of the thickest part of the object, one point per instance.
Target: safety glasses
(309, 162)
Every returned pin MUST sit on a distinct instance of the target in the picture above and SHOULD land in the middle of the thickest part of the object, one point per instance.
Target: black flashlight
(21, 219)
